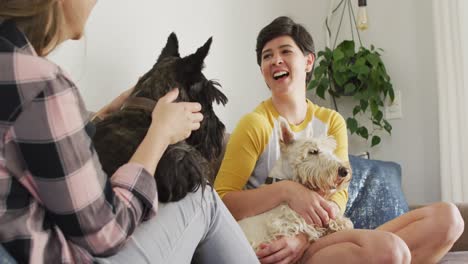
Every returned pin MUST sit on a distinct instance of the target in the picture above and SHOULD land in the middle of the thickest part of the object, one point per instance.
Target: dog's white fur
(311, 162)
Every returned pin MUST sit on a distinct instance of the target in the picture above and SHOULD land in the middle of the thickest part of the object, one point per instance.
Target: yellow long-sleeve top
(253, 147)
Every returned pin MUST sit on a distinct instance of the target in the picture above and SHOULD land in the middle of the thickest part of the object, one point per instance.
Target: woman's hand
(175, 120)
(171, 123)
(284, 250)
(335, 209)
(310, 205)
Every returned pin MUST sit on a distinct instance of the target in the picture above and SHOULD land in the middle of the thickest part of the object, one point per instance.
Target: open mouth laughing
(280, 74)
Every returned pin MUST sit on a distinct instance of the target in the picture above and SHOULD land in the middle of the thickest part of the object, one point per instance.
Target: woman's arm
(247, 203)
(339, 132)
(90, 209)
(246, 143)
(245, 146)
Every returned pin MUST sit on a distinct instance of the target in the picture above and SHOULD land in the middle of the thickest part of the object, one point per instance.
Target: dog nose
(343, 172)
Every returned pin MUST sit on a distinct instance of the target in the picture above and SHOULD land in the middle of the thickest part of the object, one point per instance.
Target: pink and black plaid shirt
(56, 203)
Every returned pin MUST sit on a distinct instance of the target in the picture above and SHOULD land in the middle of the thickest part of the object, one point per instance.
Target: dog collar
(270, 180)
(141, 103)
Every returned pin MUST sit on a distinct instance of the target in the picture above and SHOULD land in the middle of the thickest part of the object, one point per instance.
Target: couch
(375, 197)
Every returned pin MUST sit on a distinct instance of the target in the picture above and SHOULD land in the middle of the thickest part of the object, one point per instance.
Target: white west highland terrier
(311, 162)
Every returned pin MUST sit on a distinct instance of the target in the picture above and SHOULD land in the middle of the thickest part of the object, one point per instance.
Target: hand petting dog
(181, 123)
(176, 120)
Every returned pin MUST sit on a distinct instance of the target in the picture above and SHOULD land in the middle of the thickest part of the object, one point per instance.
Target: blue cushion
(375, 194)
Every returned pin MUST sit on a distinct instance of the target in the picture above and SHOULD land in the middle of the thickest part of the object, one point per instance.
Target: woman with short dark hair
(285, 54)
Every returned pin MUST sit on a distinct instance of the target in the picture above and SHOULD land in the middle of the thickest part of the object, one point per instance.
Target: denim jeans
(196, 229)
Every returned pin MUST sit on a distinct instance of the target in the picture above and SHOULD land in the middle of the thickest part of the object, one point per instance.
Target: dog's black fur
(185, 166)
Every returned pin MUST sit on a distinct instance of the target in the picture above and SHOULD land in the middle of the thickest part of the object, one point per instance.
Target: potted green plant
(360, 73)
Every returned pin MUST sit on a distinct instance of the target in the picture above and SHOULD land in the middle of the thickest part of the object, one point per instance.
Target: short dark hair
(285, 26)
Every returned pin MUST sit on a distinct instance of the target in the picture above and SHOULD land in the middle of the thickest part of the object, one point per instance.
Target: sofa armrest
(462, 242)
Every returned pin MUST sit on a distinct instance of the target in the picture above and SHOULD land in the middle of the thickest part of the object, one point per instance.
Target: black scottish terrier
(187, 165)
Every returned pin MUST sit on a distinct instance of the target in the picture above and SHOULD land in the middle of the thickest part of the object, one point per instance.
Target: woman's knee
(386, 247)
(446, 218)
(361, 246)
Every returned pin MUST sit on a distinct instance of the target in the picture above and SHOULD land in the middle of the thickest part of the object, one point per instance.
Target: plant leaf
(363, 69)
(340, 78)
(387, 127)
(319, 71)
(349, 88)
(328, 54)
(373, 59)
(324, 63)
(364, 104)
(352, 124)
(361, 61)
(375, 141)
(363, 132)
(355, 68)
(374, 107)
(378, 116)
(392, 94)
(321, 88)
(312, 84)
(338, 55)
(356, 110)
(347, 47)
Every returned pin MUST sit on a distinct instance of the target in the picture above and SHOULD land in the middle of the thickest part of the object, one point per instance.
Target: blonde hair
(40, 20)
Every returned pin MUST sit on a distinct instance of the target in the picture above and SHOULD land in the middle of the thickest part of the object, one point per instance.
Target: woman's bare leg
(358, 246)
(429, 232)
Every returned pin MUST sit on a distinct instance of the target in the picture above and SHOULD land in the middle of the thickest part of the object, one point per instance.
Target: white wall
(123, 40)
(464, 36)
(404, 30)
(125, 37)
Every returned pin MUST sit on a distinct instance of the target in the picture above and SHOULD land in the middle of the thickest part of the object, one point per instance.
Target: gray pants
(195, 229)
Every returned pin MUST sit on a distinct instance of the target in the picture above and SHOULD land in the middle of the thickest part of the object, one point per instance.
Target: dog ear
(201, 53)
(286, 135)
(218, 96)
(194, 62)
(171, 49)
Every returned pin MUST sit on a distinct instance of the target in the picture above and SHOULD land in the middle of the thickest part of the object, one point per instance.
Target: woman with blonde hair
(56, 203)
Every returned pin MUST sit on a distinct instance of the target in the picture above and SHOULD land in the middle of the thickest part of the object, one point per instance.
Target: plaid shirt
(56, 203)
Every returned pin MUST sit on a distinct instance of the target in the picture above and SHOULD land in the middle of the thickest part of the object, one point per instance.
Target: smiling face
(284, 66)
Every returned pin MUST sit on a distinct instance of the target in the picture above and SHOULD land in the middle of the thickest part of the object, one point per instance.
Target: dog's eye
(314, 152)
